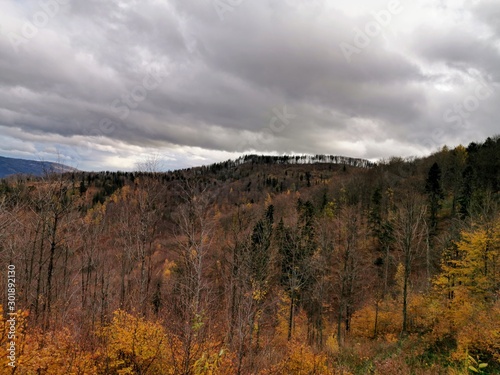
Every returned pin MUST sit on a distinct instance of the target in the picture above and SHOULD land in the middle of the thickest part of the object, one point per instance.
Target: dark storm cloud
(131, 77)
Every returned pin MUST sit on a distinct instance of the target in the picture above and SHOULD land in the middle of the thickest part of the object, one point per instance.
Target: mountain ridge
(13, 166)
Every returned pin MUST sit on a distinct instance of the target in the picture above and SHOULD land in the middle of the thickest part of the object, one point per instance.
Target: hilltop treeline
(263, 265)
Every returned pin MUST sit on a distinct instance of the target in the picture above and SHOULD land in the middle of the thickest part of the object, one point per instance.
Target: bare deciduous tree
(195, 226)
(409, 233)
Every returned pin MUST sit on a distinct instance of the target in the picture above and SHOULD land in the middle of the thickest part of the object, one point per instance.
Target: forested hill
(305, 159)
(12, 166)
(262, 265)
(293, 159)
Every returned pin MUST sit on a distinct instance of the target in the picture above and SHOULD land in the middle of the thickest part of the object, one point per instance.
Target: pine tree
(434, 193)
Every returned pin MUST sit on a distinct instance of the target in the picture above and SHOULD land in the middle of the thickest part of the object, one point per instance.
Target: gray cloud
(122, 79)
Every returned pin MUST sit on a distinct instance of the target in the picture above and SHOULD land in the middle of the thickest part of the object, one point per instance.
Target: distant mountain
(11, 166)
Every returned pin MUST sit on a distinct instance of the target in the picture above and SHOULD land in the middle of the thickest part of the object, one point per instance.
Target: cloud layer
(103, 84)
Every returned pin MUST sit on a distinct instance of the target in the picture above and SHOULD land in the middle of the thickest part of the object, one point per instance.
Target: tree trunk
(50, 271)
(405, 300)
(290, 316)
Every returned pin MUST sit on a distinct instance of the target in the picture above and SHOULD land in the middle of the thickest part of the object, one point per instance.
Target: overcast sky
(102, 84)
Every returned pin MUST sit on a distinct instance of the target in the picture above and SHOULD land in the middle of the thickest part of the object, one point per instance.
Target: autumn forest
(263, 265)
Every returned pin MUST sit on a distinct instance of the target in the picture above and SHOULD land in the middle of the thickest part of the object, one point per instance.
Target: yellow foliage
(168, 267)
(135, 345)
(399, 277)
(121, 195)
(461, 155)
(389, 320)
(95, 215)
(330, 209)
(259, 290)
(467, 289)
(214, 364)
(363, 322)
(332, 345)
(480, 335)
(282, 327)
(301, 360)
(269, 200)
(475, 263)
(423, 312)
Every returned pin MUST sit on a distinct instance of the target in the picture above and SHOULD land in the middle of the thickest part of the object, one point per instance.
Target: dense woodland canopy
(263, 265)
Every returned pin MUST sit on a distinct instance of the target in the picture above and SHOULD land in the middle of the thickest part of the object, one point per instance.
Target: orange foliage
(44, 353)
(300, 359)
(55, 353)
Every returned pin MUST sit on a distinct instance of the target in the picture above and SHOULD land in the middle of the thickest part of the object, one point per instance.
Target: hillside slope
(11, 166)
(262, 265)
